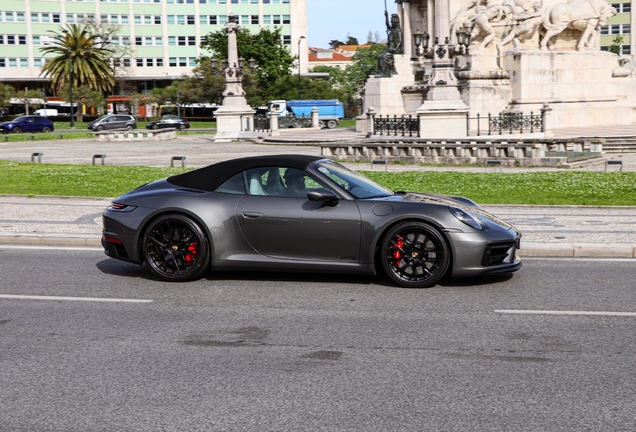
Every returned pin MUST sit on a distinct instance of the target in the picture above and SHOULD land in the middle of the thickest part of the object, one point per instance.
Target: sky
(335, 19)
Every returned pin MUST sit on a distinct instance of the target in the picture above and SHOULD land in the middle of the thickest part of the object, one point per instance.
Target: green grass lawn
(548, 188)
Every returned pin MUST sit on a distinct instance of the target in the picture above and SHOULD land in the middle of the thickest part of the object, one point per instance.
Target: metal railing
(261, 123)
(396, 126)
(514, 123)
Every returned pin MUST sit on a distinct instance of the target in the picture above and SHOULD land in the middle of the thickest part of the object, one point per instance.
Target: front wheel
(175, 248)
(415, 255)
(100, 128)
(17, 130)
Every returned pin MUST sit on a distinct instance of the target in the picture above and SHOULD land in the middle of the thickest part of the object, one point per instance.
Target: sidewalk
(599, 232)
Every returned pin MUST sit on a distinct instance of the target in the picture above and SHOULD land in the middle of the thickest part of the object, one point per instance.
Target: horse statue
(586, 16)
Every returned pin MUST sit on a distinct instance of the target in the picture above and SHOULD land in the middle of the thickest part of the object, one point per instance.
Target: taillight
(112, 240)
(120, 207)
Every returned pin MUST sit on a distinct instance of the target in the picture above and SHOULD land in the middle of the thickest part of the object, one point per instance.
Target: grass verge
(540, 188)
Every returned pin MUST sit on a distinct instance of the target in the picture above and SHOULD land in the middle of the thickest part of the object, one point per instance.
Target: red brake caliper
(191, 254)
(397, 254)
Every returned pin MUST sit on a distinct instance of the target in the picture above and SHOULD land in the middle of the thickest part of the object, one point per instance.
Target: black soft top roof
(212, 176)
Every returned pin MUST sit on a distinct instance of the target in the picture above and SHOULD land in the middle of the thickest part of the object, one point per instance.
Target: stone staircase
(619, 144)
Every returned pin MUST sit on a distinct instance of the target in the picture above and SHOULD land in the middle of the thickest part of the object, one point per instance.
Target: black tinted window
(235, 185)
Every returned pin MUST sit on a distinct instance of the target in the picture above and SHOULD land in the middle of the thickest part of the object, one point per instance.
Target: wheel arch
(176, 211)
(380, 238)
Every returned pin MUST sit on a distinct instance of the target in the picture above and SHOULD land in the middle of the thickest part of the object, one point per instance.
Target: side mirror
(322, 195)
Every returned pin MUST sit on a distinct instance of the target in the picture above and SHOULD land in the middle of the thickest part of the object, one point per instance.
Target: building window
(37, 62)
(615, 29)
(147, 19)
(10, 40)
(212, 19)
(626, 50)
(172, 41)
(276, 19)
(126, 62)
(36, 40)
(148, 40)
(35, 17)
(605, 30)
(22, 39)
(149, 62)
(1, 39)
(192, 40)
(157, 19)
(24, 62)
(286, 39)
(245, 19)
(19, 16)
(181, 19)
(286, 19)
(171, 19)
(193, 61)
(124, 19)
(182, 40)
(159, 62)
(267, 19)
(173, 62)
(627, 29)
(137, 19)
(222, 19)
(190, 19)
(8, 16)
(125, 40)
(254, 19)
(46, 18)
(138, 40)
(70, 18)
(140, 62)
(13, 62)
(159, 41)
(183, 62)
(3, 62)
(56, 18)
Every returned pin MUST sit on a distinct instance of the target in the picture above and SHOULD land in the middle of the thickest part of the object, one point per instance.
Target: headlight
(466, 218)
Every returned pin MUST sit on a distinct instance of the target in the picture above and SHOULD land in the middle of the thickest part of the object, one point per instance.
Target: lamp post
(299, 41)
(70, 75)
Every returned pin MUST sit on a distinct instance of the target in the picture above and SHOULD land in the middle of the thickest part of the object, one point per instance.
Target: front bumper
(485, 253)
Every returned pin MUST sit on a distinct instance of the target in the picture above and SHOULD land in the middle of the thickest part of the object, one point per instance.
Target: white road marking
(82, 248)
(590, 313)
(91, 299)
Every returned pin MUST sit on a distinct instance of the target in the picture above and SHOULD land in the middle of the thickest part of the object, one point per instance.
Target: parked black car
(169, 121)
(27, 124)
(113, 121)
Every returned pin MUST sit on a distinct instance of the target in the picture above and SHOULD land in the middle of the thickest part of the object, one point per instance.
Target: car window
(356, 184)
(235, 185)
(280, 181)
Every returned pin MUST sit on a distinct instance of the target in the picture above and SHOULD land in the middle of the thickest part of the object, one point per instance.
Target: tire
(46, 130)
(182, 128)
(17, 130)
(100, 128)
(415, 255)
(175, 248)
(322, 124)
(129, 128)
(155, 127)
(332, 124)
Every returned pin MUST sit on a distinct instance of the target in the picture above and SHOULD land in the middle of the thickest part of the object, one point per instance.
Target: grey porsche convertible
(303, 213)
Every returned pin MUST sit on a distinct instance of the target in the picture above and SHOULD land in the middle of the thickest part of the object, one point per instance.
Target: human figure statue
(482, 18)
(386, 60)
(527, 27)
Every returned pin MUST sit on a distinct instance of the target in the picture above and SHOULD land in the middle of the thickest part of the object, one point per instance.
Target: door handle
(252, 215)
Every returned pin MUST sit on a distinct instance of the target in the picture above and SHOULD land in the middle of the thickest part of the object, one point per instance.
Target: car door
(293, 227)
(29, 125)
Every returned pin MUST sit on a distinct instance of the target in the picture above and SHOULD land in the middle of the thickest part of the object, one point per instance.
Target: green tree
(365, 63)
(30, 99)
(287, 88)
(617, 44)
(84, 96)
(335, 43)
(273, 59)
(352, 41)
(7, 92)
(81, 53)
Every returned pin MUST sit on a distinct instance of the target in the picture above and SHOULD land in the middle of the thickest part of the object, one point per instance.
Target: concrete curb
(578, 250)
(536, 250)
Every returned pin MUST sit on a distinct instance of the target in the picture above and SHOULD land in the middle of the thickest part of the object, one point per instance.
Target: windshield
(356, 184)
(21, 119)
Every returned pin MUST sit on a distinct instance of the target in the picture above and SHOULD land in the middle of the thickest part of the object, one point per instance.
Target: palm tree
(82, 55)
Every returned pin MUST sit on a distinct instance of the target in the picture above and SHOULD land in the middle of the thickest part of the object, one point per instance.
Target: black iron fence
(261, 123)
(513, 123)
(396, 126)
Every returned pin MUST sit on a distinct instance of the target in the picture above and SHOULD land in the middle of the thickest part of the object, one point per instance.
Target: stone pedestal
(385, 94)
(578, 86)
(231, 122)
(443, 119)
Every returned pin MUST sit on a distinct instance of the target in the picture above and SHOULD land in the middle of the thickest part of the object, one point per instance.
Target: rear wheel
(415, 255)
(175, 248)
(46, 130)
(129, 128)
(182, 127)
(331, 124)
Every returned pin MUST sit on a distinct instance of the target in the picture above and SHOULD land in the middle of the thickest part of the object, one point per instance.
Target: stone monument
(235, 116)
(504, 56)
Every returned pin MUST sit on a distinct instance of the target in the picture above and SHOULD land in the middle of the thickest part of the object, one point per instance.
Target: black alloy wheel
(415, 255)
(17, 129)
(175, 248)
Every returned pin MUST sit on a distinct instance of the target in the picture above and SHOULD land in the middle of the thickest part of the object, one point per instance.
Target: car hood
(453, 201)
(6, 123)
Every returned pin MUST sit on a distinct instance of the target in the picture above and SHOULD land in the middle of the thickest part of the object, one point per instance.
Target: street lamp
(70, 75)
(299, 41)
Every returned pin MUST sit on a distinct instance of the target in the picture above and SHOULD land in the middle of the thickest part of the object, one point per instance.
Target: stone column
(315, 118)
(407, 33)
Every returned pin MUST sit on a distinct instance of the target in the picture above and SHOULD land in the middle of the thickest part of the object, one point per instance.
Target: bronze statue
(386, 60)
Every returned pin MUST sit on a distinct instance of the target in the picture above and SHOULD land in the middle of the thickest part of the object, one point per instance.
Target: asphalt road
(276, 352)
